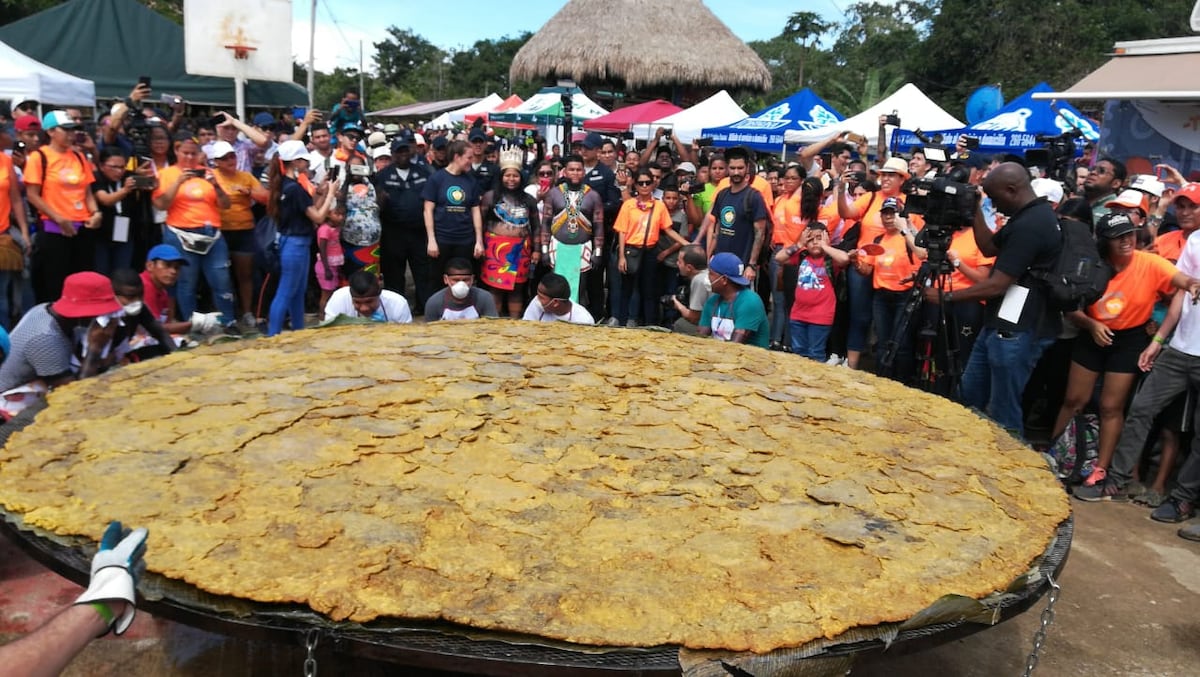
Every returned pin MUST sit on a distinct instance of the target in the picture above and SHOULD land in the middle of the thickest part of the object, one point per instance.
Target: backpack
(266, 244)
(1076, 450)
(1078, 276)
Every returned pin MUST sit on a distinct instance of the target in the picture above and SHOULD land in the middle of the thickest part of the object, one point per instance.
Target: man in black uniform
(403, 240)
(602, 180)
(486, 174)
(1020, 324)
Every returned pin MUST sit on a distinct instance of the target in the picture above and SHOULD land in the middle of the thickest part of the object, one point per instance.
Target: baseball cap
(895, 165)
(400, 142)
(58, 118)
(1132, 199)
(1048, 188)
(165, 252)
(418, 140)
(264, 120)
(292, 150)
(1114, 225)
(26, 123)
(686, 167)
(351, 128)
(1190, 191)
(376, 139)
(391, 128)
(86, 294)
(972, 160)
(219, 149)
(592, 141)
(730, 266)
(477, 135)
(1147, 184)
(381, 151)
(439, 143)
(890, 203)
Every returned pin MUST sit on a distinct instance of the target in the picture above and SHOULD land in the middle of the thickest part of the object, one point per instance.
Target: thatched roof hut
(641, 43)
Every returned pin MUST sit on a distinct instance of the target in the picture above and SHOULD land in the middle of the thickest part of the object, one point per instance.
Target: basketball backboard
(212, 27)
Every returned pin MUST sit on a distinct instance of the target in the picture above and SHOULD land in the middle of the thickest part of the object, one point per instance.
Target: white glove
(114, 570)
(206, 323)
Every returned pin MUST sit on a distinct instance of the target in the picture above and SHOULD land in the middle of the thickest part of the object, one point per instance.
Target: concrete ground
(1130, 606)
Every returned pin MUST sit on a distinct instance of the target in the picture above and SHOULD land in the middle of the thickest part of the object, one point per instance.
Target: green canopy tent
(114, 42)
(545, 109)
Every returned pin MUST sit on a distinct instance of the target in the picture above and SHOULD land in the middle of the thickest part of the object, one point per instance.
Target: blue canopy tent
(764, 130)
(1015, 128)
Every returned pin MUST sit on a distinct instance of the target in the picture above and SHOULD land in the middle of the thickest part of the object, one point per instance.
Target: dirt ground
(1130, 606)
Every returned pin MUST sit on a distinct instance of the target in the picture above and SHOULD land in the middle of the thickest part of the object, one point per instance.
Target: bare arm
(845, 207)
(301, 129)
(812, 150)
(14, 197)
(983, 234)
(685, 153)
(48, 650)
(319, 214)
(163, 202)
(256, 137)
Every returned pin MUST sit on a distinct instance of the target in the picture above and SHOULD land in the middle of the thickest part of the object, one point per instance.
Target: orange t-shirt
(1170, 245)
(65, 185)
(237, 187)
(6, 178)
(963, 243)
(632, 221)
(788, 224)
(894, 264)
(1129, 298)
(195, 203)
(866, 211)
(828, 215)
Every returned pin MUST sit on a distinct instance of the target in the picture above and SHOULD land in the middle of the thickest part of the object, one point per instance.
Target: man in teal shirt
(734, 312)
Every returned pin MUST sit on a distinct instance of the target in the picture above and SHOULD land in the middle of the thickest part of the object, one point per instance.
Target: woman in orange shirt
(1115, 333)
(237, 223)
(890, 264)
(190, 195)
(12, 250)
(639, 224)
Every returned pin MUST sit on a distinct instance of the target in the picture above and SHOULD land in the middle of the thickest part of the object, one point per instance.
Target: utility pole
(312, 53)
(362, 93)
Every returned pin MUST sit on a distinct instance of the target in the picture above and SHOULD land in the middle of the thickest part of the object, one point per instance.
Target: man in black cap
(486, 174)
(403, 241)
(601, 179)
(436, 159)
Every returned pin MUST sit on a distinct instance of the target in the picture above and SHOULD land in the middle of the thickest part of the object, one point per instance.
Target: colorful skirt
(507, 261)
(360, 258)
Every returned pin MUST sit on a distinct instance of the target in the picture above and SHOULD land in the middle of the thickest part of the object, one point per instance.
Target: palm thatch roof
(644, 43)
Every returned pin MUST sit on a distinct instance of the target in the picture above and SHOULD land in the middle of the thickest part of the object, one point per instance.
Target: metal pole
(362, 93)
(312, 53)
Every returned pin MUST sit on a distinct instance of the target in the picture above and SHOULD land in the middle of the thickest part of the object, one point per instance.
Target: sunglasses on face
(645, 183)
(545, 174)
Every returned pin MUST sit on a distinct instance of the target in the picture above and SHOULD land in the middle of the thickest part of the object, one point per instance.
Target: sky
(341, 24)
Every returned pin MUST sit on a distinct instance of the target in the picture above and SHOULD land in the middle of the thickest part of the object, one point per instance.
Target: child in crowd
(329, 253)
(814, 303)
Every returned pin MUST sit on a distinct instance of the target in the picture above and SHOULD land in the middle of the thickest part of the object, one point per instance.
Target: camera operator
(1019, 324)
(693, 268)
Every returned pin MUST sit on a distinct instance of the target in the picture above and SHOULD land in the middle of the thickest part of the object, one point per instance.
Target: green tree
(804, 28)
(483, 68)
(400, 58)
(851, 103)
(13, 10)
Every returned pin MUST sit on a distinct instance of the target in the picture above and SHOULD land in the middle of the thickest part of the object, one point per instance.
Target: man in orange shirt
(1170, 245)
(58, 180)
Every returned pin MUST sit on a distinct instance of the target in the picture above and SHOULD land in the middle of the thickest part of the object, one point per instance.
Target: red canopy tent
(622, 119)
(511, 102)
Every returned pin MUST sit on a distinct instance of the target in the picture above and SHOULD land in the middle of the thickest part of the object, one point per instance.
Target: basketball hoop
(241, 51)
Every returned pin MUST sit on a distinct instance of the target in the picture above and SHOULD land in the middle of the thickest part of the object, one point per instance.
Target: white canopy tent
(916, 111)
(484, 105)
(23, 78)
(717, 110)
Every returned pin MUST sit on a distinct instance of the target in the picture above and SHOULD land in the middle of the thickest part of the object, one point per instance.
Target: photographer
(125, 212)
(1019, 324)
(348, 111)
(693, 267)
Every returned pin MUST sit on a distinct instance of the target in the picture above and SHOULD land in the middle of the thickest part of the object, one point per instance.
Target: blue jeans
(215, 267)
(112, 256)
(783, 292)
(997, 371)
(294, 252)
(861, 291)
(808, 340)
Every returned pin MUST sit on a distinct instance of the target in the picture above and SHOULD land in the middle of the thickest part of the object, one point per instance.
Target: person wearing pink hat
(44, 339)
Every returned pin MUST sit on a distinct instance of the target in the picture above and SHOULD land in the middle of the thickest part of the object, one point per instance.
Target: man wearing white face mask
(461, 299)
(139, 334)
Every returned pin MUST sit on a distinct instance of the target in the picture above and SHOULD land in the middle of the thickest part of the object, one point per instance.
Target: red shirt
(815, 301)
(157, 301)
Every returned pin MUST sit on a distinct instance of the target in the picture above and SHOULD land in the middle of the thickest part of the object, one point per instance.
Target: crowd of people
(118, 242)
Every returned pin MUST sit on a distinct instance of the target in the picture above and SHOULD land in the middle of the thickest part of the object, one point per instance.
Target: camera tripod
(937, 346)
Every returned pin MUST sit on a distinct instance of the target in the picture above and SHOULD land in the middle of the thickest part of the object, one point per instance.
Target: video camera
(1055, 155)
(947, 202)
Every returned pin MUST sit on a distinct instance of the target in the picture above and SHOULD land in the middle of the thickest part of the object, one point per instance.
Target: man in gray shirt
(460, 299)
(694, 268)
